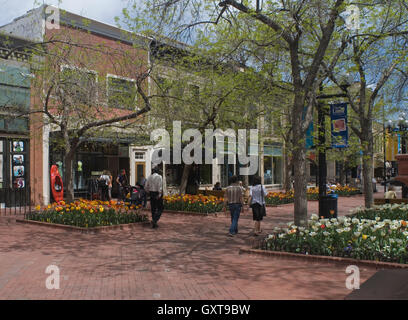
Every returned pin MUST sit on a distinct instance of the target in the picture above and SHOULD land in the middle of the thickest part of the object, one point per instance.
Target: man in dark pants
(122, 181)
(154, 186)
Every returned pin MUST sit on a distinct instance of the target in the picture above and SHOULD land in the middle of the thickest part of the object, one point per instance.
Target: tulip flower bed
(88, 214)
(193, 203)
(342, 191)
(365, 239)
(383, 212)
(277, 198)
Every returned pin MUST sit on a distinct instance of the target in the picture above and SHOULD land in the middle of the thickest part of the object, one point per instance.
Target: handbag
(263, 209)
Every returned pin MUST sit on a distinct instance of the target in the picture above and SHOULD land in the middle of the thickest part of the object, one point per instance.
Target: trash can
(328, 206)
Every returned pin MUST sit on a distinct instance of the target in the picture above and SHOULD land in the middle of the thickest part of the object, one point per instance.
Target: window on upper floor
(13, 124)
(79, 85)
(122, 93)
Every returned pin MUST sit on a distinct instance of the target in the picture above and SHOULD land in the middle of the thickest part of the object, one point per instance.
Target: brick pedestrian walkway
(185, 258)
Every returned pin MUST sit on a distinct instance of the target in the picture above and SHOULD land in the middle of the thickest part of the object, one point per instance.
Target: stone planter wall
(84, 230)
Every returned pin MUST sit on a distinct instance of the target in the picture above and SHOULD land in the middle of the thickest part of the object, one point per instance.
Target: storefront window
(227, 171)
(206, 174)
(268, 170)
(174, 173)
(277, 173)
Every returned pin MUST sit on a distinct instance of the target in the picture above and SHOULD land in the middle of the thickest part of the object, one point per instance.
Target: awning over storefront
(109, 140)
(269, 150)
(273, 151)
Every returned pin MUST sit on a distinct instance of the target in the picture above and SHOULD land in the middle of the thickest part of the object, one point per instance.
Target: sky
(101, 10)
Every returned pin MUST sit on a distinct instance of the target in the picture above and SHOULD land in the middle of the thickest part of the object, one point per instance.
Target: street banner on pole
(339, 128)
(309, 133)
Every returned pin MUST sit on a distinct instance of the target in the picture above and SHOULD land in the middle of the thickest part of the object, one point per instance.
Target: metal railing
(15, 201)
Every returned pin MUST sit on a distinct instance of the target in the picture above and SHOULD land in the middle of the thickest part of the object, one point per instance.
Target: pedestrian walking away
(234, 198)
(154, 186)
(123, 183)
(106, 181)
(256, 200)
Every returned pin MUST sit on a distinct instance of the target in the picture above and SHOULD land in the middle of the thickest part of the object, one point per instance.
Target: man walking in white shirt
(154, 186)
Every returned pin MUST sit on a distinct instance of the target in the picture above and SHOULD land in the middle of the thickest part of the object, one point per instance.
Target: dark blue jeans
(235, 209)
(156, 205)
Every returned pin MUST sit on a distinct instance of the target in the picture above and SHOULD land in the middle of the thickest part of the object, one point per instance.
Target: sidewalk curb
(84, 230)
(313, 258)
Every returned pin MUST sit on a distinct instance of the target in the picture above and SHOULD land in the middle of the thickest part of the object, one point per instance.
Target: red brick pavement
(185, 258)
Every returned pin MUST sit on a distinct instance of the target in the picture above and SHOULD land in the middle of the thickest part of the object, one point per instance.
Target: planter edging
(192, 213)
(349, 261)
(82, 229)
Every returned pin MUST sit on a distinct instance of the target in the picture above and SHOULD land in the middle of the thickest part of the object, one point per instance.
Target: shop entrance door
(14, 175)
(3, 183)
(140, 170)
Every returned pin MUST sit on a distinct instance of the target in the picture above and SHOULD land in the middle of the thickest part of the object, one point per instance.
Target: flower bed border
(192, 213)
(316, 258)
(82, 229)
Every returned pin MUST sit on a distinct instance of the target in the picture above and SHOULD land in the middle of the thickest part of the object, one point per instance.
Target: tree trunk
(300, 185)
(287, 170)
(184, 178)
(69, 185)
(367, 180)
(368, 167)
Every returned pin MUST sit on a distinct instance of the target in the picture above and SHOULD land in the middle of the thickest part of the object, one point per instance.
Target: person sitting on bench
(390, 194)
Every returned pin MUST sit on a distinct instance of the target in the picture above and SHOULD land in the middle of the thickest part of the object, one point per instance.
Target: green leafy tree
(301, 29)
(373, 55)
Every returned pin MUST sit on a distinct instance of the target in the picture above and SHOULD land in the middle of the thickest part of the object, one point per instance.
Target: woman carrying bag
(256, 201)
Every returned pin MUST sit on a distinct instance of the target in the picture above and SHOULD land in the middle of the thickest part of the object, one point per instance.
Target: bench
(392, 201)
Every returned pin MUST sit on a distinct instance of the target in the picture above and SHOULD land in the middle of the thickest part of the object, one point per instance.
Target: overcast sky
(101, 10)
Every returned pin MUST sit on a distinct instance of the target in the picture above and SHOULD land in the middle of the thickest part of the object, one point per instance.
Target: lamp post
(387, 126)
(322, 142)
(401, 126)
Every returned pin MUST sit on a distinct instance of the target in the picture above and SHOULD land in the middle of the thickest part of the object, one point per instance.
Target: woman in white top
(107, 188)
(257, 195)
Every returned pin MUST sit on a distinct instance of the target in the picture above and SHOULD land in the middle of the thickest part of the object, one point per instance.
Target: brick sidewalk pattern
(185, 258)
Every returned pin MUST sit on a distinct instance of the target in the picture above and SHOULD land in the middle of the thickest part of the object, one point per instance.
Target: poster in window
(19, 183)
(18, 159)
(18, 171)
(18, 146)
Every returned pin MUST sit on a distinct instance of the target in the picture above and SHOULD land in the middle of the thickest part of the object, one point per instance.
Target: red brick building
(108, 60)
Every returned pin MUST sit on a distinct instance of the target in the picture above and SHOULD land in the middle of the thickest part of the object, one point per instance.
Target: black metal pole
(322, 147)
(322, 152)
(322, 156)
(385, 159)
